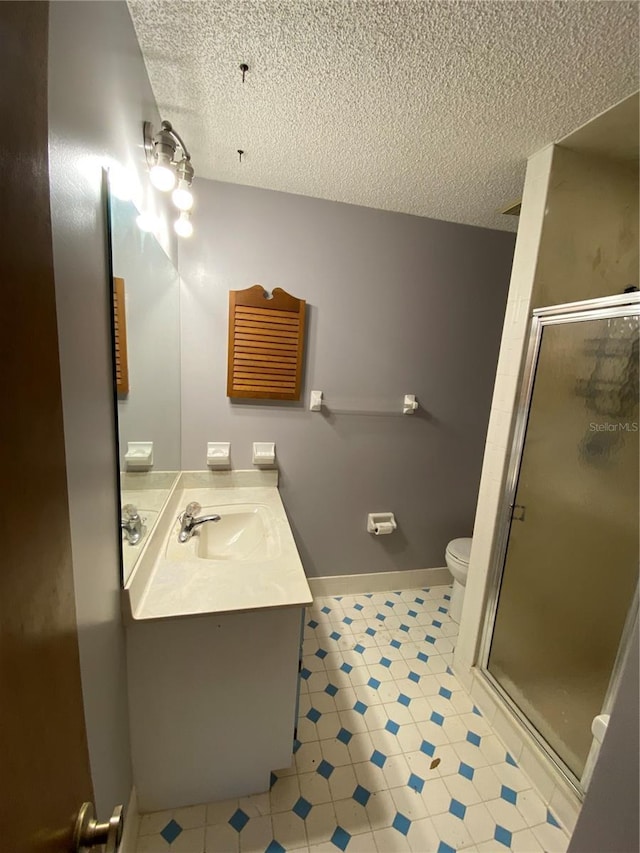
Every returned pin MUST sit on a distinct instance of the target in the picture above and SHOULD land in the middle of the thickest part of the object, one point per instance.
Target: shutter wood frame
(266, 344)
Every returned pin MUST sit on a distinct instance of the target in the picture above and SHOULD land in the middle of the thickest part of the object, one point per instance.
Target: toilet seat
(459, 550)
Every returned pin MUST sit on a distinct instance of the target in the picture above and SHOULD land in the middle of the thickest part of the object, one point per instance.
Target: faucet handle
(193, 508)
(129, 512)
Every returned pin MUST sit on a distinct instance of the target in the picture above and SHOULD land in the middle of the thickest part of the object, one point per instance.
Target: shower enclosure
(565, 565)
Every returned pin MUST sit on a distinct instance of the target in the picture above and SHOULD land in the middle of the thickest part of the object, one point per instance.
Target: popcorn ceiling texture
(429, 108)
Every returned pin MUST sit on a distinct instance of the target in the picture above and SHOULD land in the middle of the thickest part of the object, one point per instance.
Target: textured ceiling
(424, 107)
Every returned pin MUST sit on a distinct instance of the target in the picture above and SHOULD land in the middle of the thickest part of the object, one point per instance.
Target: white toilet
(457, 557)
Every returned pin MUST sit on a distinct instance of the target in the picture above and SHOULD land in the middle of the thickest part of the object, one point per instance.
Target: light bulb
(182, 196)
(146, 221)
(162, 173)
(182, 226)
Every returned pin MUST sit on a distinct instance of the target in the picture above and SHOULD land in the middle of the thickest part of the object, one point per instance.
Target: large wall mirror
(146, 294)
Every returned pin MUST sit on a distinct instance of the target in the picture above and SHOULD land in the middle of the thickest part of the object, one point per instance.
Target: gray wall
(397, 304)
(99, 95)
(609, 817)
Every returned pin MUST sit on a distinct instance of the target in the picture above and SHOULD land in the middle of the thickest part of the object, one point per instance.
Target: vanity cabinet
(213, 704)
(213, 644)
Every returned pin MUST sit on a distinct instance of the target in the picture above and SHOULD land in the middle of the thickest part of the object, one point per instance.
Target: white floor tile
(221, 838)
(551, 838)
(321, 824)
(288, 830)
(314, 788)
(434, 709)
(256, 835)
(351, 816)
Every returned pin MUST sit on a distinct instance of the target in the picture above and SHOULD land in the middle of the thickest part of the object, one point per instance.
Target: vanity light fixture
(170, 168)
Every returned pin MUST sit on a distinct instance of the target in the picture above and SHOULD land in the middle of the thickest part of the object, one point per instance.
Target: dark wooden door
(44, 765)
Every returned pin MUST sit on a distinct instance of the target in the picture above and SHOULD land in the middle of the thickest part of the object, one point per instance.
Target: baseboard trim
(131, 825)
(379, 581)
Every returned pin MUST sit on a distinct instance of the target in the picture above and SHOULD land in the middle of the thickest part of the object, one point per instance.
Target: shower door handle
(517, 512)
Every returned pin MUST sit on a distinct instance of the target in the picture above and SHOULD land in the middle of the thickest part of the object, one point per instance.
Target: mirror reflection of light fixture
(166, 170)
(182, 226)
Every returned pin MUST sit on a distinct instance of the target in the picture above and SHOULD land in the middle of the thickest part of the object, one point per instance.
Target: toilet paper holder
(381, 523)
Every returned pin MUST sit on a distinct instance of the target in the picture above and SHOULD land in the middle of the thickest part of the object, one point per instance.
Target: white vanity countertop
(165, 586)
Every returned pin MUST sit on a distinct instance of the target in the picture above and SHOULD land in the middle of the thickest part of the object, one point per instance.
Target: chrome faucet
(131, 523)
(189, 522)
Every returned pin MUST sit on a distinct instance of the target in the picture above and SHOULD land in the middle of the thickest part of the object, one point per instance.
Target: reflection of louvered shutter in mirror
(120, 337)
(266, 344)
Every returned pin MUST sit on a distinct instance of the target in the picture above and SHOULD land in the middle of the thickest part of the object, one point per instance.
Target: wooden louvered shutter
(266, 341)
(120, 337)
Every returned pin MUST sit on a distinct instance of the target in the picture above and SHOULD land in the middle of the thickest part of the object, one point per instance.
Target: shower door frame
(591, 309)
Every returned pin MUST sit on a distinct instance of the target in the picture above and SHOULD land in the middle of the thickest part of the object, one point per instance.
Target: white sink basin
(245, 532)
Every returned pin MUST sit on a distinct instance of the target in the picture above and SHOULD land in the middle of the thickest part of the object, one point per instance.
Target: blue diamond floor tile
(340, 838)
(509, 795)
(385, 662)
(360, 707)
(302, 808)
(446, 694)
(466, 770)
(419, 600)
(380, 617)
(502, 835)
(313, 714)
(272, 780)
(510, 760)
(326, 609)
(371, 632)
(413, 676)
(344, 736)
(359, 648)
(331, 689)
(424, 658)
(443, 847)
(321, 654)
(389, 604)
(347, 620)
(357, 607)
(427, 748)
(436, 718)
(412, 613)
(275, 847)
(404, 628)
(305, 673)
(436, 624)
(551, 819)
(361, 795)
(171, 831)
(335, 636)
(346, 667)
(401, 823)
(416, 783)
(378, 758)
(429, 639)
(373, 682)
(404, 700)
(473, 738)
(395, 643)
(239, 820)
(392, 726)
(312, 624)
(457, 808)
(477, 711)
(325, 769)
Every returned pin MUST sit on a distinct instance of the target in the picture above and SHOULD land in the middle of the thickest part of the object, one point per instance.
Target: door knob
(89, 834)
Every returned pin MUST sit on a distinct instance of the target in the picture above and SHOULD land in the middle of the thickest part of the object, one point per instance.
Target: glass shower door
(571, 562)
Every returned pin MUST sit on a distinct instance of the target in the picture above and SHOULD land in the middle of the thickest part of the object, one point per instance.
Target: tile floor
(392, 755)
